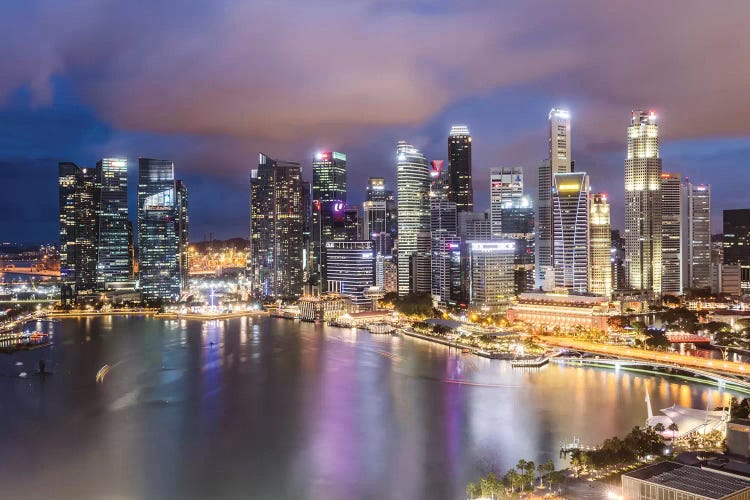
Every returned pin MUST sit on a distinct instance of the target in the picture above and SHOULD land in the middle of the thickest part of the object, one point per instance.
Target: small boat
(466, 351)
(529, 362)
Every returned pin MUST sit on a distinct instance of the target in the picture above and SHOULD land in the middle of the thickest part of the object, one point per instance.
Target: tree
(511, 479)
(659, 428)
(673, 428)
(545, 470)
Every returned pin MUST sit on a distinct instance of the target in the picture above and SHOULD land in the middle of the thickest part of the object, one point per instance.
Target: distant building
(413, 210)
(459, 168)
(329, 205)
(671, 480)
(380, 220)
(183, 232)
(276, 228)
(696, 246)
(112, 220)
(506, 191)
(491, 274)
(570, 210)
(78, 228)
(737, 243)
(600, 246)
(351, 268)
(160, 232)
(643, 223)
(445, 248)
(307, 260)
(672, 222)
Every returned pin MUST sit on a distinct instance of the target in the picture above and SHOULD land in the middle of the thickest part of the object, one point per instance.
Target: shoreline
(156, 314)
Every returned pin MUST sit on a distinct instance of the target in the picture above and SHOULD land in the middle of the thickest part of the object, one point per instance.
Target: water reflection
(280, 409)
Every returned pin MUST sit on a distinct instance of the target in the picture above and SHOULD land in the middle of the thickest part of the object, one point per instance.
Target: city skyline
(62, 106)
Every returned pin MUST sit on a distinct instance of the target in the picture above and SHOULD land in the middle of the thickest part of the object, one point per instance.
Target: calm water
(270, 408)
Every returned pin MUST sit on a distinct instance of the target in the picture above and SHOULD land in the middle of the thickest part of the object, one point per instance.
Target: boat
(465, 351)
(381, 328)
(529, 362)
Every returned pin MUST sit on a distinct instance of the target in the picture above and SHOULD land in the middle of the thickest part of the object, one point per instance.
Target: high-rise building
(306, 231)
(183, 233)
(643, 223)
(380, 220)
(491, 275)
(696, 247)
(570, 226)
(329, 204)
(559, 161)
(159, 231)
(78, 228)
(276, 228)
(506, 191)
(351, 267)
(112, 219)
(737, 243)
(671, 240)
(352, 224)
(600, 246)
(421, 264)
(413, 180)
(619, 277)
(446, 247)
(459, 168)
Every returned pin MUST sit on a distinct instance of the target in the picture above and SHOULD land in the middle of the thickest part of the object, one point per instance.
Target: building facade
(491, 275)
(351, 270)
(78, 228)
(600, 246)
(329, 206)
(737, 243)
(459, 168)
(506, 191)
(413, 184)
(671, 222)
(643, 218)
(570, 226)
(276, 228)
(112, 220)
(696, 248)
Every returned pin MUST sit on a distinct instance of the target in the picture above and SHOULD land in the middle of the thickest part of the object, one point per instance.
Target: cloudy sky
(210, 84)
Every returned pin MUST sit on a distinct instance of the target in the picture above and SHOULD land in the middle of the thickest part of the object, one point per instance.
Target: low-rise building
(549, 311)
(324, 308)
(673, 481)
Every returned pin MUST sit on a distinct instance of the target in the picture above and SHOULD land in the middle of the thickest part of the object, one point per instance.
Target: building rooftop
(690, 479)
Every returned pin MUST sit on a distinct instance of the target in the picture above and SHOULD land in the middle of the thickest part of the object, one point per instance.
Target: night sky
(209, 84)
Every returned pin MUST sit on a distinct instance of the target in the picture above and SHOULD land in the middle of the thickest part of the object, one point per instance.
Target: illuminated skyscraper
(112, 218)
(329, 205)
(671, 240)
(351, 270)
(413, 183)
(558, 162)
(737, 243)
(643, 218)
(276, 228)
(600, 246)
(491, 274)
(506, 191)
(459, 169)
(183, 223)
(570, 226)
(159, 230)
(696, 246)
(78, 228)
(445, 249)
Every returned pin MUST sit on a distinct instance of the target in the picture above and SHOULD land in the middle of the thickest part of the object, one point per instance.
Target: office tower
(671, 239)
(183, 223)
(352, 224)
(737, 243)
(474, 226)
(558, 161)
(506, 191)
(78, 228)
(445, 247)
(351, 267)
(112, 218)
(421, 264)
(696, 254)
(619, 277)
(413, 183)
(329, 204)
(390, 274)
(379, 220)
(600, 246)
(643, 226)
(276, 228)
(570, 226)
(159, 236)
(491, 275)
(132, 275)
(306, 230)
(459, 168)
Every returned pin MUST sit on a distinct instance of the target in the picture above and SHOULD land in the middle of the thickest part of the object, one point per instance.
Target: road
(644, 355)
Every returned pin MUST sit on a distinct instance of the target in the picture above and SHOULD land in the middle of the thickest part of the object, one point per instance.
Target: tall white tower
(600, 245)
(643, 221)
(570, 211)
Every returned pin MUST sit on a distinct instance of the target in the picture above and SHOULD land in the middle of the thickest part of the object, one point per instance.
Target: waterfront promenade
(714, 365)
(155, 314)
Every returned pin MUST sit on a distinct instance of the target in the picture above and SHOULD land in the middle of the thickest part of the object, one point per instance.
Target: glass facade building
(78, 228)
(112, 218)
(570, 227)
(351, 270)
(459, 168)
(329, 206)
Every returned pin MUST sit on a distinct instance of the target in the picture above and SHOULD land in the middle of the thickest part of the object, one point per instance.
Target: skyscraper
(643, 223)
(380, 216)
(737, 243)
(306, 231)
(506, 190)
(697, 236)
(112, 219)
(413, 184)
(600, 246)
(445, 248)
(351, 268)
(570, 226)
(276, 228)
(558, 162)
(329, 204)
(459, 169)
(159, 230)
(671, 240)
(491, 275)
(183, 233)
(78, 228)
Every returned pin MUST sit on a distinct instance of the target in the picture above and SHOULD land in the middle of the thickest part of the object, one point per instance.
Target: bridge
(721, 379)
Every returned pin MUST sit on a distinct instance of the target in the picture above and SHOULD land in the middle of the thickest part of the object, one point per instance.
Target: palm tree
(674, 428)
(659, 428)
(521, 466)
